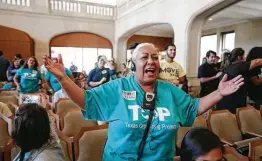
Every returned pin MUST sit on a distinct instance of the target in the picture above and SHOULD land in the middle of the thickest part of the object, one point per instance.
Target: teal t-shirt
(53, 81)
(29, 79)
(120, 101)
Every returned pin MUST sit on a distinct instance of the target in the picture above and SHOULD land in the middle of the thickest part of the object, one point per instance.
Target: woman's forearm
(16, 81)
(73, 91)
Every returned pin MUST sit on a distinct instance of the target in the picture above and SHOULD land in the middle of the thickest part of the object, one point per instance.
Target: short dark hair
(235, 53)
(32, 127)
(170, 44)
(18, 56)
(197, 142)
(1, 53)
(36, 63)
(209, 52)
(133, 46)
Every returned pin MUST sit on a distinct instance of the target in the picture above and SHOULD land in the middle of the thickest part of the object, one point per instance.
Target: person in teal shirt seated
(51, 82)
(29, 76)
(122, 103)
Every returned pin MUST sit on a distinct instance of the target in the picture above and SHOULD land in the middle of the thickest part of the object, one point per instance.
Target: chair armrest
(13, 105)
(255, 134)
(231, 144)
(9, 123)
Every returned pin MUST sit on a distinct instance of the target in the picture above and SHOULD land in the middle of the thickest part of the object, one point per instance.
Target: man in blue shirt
(100, 74)
(121, 103)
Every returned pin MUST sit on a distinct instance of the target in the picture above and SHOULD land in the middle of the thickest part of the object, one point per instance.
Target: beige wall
(248, 34)
(43, 27)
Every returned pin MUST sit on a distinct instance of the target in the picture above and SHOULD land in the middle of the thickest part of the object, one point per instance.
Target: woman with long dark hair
(29, 77)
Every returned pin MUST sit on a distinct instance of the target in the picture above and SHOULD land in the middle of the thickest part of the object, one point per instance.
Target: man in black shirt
(4, 64)
(208, 74)
(237, 67)
(255, 78)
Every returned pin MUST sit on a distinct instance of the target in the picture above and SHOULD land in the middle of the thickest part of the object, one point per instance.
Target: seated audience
(200, 144)
(238, 66)
(100, 75)
(32, 133)
(4, 64)
(12, 69)
(29, 77)
(255, 78)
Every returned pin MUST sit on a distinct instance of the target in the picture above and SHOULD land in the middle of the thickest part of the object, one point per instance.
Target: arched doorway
(80, 49)
(13, 41)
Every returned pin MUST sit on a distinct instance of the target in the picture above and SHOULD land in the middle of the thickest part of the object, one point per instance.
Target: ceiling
(240, 12)
(243, 11)
(161, 30)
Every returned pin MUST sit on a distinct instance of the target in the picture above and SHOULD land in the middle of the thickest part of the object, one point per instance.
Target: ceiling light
(210, 19)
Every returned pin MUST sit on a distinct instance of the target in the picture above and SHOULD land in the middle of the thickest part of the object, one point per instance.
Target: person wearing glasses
(124, 104)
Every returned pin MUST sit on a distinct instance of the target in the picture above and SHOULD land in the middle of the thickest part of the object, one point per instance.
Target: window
(83, 58)
(207, 43)
(228, 40)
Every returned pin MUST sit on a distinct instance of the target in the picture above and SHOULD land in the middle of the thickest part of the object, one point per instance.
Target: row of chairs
(71, 127)
(233, 130)
(74, 132)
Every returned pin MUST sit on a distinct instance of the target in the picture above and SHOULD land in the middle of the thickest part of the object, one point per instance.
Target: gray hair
(137, 50)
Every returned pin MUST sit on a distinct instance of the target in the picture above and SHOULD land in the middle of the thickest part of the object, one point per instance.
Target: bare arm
(7, 74)
(16, 81)
(94, 84)
(207, 102)
(255, 63)
(225, 88)
(256, 81)
(73, 91)
(207, 79)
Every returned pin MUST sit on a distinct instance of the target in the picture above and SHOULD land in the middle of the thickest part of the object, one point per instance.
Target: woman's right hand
(55, 68)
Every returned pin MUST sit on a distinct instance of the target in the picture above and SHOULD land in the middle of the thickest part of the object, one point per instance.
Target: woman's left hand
(226, 88)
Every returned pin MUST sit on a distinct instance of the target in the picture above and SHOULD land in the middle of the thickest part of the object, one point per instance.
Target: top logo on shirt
(129, 95)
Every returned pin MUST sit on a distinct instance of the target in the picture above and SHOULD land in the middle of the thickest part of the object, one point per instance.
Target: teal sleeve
(47, 76)
(186, 107)
(101, 102)
(19, 73)
(68, 72)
